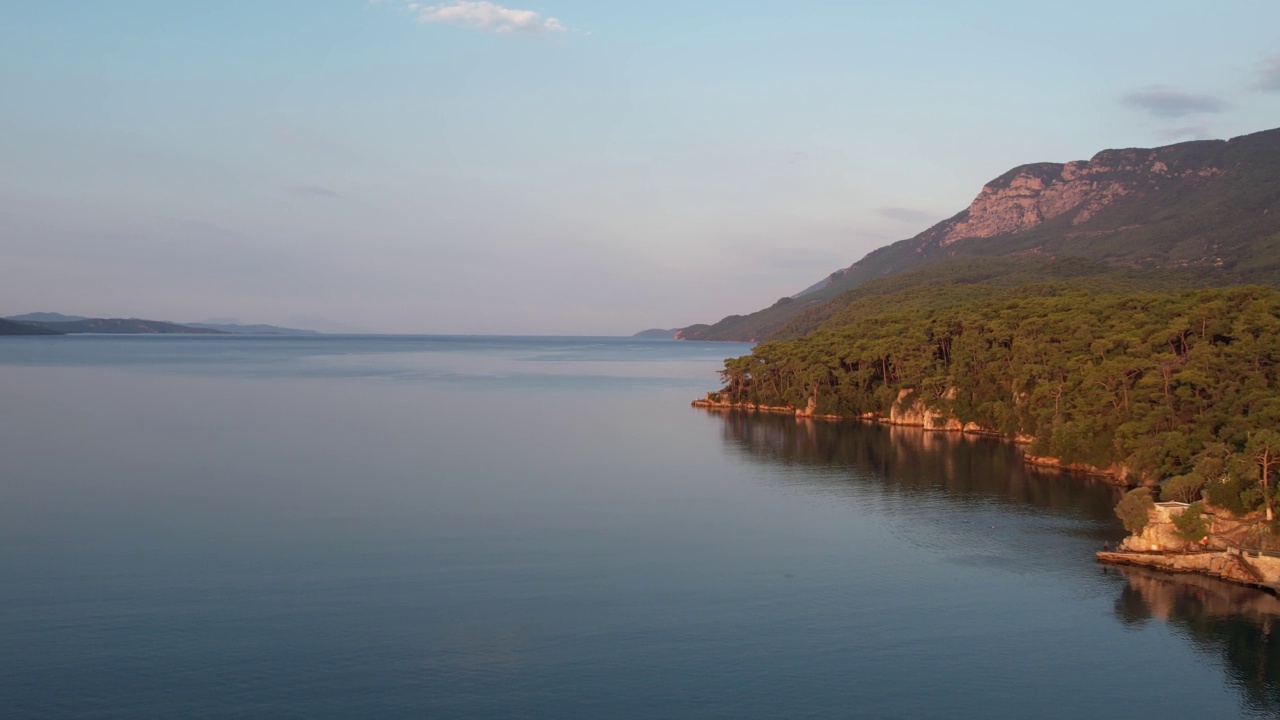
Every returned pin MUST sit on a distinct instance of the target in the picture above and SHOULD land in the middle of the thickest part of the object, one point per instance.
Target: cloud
(1195, 132)
(905, 214)
(1269, 76)
(1163, 102)
(484, 15)
(311, 191)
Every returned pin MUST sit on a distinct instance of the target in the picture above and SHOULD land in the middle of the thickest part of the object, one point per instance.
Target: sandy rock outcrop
(910, 409)
(1160, 535)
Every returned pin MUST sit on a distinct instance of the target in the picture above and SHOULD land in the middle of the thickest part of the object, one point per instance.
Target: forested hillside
(1159, 384)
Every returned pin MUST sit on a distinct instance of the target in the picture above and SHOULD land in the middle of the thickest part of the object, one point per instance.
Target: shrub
(1134, 509)
(1191, 524)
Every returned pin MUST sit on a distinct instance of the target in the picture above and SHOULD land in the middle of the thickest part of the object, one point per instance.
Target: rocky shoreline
(1259, 571)
(1158, 547)
(1227, 549)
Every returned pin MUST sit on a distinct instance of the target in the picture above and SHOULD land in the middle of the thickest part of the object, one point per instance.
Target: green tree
(1134, 509)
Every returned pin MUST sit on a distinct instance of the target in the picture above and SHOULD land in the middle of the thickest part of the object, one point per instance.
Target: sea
(543, 527)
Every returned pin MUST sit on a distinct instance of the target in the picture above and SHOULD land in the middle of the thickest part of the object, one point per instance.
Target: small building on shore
(1168, 510)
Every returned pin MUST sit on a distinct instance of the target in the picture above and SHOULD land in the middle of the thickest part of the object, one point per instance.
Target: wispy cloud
(1269, 76)
(311, 191)
(1194, 132)
(487, 16)
(1164, 102)
(905, 214)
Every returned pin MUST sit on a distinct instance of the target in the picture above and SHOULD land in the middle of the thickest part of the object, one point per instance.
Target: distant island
(1118, 317)
(47, 323)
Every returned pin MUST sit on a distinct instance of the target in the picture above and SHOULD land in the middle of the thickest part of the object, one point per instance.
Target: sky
(555, 166)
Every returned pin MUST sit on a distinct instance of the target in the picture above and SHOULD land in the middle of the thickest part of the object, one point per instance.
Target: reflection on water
(436, 527)
(1231, 623)
(912, 460)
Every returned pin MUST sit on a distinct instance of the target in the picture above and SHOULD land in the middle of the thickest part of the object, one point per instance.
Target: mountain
(239, 329)
(656, 334)
(41, 317)
(77, 323)
(1209, 210)
(121, 326)
(8, 327)
(330, 327)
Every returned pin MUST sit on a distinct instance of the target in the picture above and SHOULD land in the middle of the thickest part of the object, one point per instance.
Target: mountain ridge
(123, 326)
(1210, 205)
(58, 323)
(10, 327)
(41, 317)
(251, 329)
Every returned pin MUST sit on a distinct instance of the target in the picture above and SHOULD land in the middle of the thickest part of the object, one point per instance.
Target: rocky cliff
(1028, 196)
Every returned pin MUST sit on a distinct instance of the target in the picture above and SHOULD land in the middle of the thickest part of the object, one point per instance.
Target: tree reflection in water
(1226, 621)
(912, 460)
(1223, 621)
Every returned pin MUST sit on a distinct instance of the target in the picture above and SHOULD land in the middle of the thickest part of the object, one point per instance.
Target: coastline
(915, 414)
(1234, 566)
(1225, 547)
(1157, 548)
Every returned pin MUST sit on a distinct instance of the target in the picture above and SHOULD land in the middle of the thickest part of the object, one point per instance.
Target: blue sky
(554, 166)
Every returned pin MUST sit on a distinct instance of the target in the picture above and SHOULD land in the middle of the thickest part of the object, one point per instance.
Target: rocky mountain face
(1212, 205)
(1030, 195)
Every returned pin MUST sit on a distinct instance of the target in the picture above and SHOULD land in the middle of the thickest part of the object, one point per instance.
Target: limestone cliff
(910, 409)
(1028, 196)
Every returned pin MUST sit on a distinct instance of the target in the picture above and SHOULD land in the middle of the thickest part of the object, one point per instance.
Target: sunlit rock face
(1206, 205)
(1032, 194)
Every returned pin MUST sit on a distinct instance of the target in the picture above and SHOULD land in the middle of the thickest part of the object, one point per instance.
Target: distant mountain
(8, 327)
(41, 317)
(1208, 209)
(330, 327)
(656, 334)
(238, 329)
(124, 326)
(60, 323)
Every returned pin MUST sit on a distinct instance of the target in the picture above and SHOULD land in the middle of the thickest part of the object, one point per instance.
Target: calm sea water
(543, 528)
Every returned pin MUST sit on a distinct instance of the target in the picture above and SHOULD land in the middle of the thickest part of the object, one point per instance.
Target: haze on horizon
(554, 166)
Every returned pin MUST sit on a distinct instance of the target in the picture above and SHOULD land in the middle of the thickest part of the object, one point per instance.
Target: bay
(542, 527)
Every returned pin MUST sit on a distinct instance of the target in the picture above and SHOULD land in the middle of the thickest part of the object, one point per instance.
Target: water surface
(543, 527)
